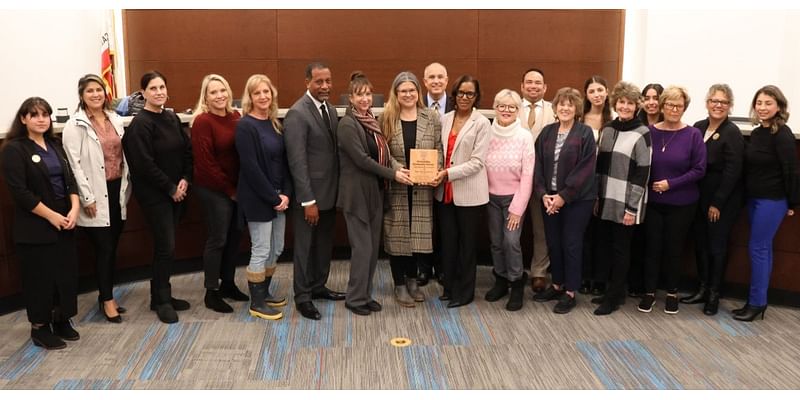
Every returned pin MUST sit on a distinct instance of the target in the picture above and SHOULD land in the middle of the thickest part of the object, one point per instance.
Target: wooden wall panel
(496, 46)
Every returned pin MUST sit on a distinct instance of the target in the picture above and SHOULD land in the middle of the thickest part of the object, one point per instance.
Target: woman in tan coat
(408, 223)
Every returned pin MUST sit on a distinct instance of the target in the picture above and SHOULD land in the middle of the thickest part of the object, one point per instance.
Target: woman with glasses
(678, 164)
(408, 222)
(509, 167)
(596, 114)
(93, 142)
(365, 171)
(464, 192)
(564, 178)
(623, 166)
(720, 196)
(772, 190)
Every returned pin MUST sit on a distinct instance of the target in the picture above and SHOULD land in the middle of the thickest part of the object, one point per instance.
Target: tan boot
(413, 290)
(402, 297)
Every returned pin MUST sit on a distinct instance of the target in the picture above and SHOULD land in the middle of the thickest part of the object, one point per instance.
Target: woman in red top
(216, 171)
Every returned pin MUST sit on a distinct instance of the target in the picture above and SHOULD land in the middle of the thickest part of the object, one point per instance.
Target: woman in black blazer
(365, 167)
(45, 214)
(159, 154)
(721, 192)
(564, 178)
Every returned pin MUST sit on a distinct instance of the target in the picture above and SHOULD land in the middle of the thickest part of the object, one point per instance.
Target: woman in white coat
(93, 143)
(464, 192)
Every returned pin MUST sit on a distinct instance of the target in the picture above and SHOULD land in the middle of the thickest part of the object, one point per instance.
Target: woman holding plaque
(460, 200)
(509, 167)
(408, 222)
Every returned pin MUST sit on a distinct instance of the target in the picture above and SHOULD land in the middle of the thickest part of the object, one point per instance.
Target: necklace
(664, 145)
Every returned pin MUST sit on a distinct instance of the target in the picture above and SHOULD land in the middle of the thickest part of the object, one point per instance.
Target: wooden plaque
(423, 165)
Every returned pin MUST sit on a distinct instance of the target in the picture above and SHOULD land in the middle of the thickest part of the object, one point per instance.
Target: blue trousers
(766, 216)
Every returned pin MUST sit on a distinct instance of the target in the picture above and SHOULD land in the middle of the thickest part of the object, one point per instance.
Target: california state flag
(107, 66)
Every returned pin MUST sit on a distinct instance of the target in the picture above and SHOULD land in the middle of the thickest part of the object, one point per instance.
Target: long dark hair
(642, 113)
(31, 106)
(587, 105)
(149, 76)
(84, 82)
(781, 116)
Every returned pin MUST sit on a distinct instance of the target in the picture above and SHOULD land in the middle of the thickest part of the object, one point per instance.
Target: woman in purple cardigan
(679, 162)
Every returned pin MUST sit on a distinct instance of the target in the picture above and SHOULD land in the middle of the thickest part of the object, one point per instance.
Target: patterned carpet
(480, 346)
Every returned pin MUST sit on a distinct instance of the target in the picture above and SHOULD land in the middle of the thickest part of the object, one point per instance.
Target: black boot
(257, 306)
(64, 330)
(499, 290)
(229, 290)
(44, 337)
(700, 296)
(213, 300)
(750, 313)
(271, 300)
(712, 304)
(517, 293)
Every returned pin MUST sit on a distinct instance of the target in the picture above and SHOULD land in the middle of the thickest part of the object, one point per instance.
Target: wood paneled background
(494, 46)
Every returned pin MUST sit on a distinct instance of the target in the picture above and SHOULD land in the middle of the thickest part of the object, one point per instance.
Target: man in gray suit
(310, 137)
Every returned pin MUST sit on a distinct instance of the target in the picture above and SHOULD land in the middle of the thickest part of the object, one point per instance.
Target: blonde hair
(507, 93)
(247, 102)
(391, 111)
(674, 93)
(202, 105)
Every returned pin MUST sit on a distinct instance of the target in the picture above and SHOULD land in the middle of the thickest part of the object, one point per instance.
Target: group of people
(590, 180)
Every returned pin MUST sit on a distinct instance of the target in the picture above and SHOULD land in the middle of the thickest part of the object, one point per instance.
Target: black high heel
(116, 320)
(744, 308)
(751, 313)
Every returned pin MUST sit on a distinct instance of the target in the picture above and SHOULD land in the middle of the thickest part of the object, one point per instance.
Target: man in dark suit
(310, 137)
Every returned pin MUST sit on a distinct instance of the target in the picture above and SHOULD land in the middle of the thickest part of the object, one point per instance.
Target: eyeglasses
(673, 106)
(407, 91)
(716, 102)
(506, 107)
(469, 95)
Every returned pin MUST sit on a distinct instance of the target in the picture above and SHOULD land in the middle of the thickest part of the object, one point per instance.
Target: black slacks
(458, 229)
(105, 241)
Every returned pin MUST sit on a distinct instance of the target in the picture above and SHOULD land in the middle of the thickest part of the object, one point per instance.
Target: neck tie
(326, 118)
(532, 116)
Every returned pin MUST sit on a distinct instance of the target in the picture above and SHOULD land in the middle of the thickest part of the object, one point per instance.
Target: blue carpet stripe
(93, 384)
(447, 324)
(170, 354)
(24, 361)
(141, 348)
(734, 328)
(272, 363)
(424, 368)
(488, 338)
(628, 357)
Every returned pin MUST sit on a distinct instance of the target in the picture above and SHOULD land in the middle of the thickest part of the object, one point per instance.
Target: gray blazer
(467, 171)
(359, 193)
(312, 153)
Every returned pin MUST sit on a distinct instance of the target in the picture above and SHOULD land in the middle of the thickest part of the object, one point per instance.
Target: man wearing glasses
(535, 114)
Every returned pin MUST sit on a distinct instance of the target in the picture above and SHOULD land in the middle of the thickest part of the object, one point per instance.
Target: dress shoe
(549, 294)
(328, 295)
(751, 313)
(213, 301)
(538, 284)
(606, 308)
(586, 287)
(122, 310)
(697, 297)
(64, 330)
(374, 306)
(177, 305)
(308, 310)
(115, 319)
(423, 278)
(598, 289)
(565, 304)
(166, 313)
(44, 337)
(229, 290)
(456, 303)
(359, 310)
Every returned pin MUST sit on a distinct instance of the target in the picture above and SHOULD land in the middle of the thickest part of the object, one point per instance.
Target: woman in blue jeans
(263, 191)
(771, 189)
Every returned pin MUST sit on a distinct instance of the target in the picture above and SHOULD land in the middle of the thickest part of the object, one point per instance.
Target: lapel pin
(36, 158)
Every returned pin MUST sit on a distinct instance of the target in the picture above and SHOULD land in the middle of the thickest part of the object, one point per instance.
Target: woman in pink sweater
(509, 167)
